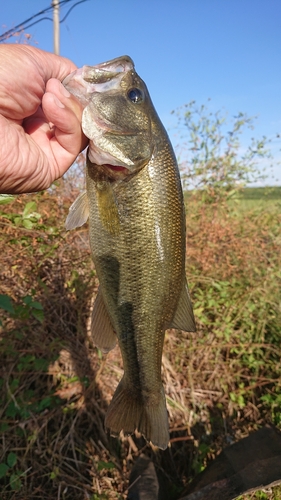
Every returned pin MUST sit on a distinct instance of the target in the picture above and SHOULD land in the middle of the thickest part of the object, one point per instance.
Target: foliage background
(221, 382)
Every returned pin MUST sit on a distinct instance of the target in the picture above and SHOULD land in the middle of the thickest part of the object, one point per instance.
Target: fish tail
(128, 412)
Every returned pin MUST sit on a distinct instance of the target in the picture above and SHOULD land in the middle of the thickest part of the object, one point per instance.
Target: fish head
(117, 115)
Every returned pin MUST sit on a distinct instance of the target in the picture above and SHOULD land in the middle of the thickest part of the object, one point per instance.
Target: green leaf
(45, 403)
(14, 384)
(36, 305)
(29, 207)
(6, 303)
(6, 198)
(39, 315)
(105, 465)
(41, 364)
(3, 470)
(17, 220)
(15, 482)
(4, 427)
(12, 459)
(28, 224)
(55, 473)
(27, 300)
(11, 410)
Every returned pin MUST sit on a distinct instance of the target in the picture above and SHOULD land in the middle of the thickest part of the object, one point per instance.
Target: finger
(24, 71)
(65, 112)
(47, 64)
(55, 66)
(56, 88)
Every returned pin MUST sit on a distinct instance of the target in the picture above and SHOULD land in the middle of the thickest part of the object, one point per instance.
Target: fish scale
(137, 238)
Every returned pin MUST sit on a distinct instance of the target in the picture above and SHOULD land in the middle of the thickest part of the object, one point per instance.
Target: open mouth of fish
(105, 76)
(115, 168)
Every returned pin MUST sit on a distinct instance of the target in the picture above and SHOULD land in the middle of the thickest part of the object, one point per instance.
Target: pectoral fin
(78, 213)
(102, 331)
(184, 318)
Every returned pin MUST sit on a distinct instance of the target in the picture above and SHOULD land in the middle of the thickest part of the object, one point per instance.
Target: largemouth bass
(136, 215)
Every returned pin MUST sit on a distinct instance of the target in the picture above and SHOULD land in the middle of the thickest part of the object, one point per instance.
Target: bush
(221, 382)
(213, 159)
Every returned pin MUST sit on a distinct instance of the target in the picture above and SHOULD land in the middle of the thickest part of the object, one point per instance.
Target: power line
(22, 26)
(11, 31)
(71, 8)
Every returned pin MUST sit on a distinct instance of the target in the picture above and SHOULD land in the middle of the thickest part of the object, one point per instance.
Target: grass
(258, 197)
(221, 383)
(272, 493)
(261, 193)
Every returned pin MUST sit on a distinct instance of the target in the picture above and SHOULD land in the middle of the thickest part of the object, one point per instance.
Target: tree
(215, 163)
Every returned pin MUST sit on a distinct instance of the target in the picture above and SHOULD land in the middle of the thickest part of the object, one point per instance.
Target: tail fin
(128, 412)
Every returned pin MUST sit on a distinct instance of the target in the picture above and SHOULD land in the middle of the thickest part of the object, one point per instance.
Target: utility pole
(56, 20)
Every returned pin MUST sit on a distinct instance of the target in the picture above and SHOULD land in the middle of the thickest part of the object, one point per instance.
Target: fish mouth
(108, 172)
(116, 168)
(100, 78)
(111, 161)
(114, 172)
(105, 72)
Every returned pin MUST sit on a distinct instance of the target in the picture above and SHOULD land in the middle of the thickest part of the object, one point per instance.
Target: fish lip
(118, 64)
(92, 76)
(99, 157)
(98, 78)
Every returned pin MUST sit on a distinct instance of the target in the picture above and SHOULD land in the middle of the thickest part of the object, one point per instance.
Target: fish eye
(136, 95)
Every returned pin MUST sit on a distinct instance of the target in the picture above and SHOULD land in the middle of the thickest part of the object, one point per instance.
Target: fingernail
(64, 91)
(58, 103)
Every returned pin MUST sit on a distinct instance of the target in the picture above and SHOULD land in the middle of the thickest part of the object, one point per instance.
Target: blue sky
(225, 50)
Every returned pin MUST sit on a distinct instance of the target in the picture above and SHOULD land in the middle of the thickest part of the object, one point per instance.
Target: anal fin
(184, 317)
(102, 331)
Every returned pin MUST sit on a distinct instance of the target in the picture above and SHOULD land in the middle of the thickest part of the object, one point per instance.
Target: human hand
(40, 121)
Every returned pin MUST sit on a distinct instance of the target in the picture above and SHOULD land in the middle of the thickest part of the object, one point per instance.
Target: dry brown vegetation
(221, 382)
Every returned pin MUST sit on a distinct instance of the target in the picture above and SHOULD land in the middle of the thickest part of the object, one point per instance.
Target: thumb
(64, 111)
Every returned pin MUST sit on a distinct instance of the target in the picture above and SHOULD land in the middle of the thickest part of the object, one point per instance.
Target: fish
(134, 202)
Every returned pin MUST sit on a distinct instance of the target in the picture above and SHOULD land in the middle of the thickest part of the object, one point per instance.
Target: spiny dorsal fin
(184, 318)
(78, 213)
(102, 331)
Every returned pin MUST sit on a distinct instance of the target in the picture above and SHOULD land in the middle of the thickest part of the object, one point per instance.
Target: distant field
(253, 197)
(261, 193)
(258, 197)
